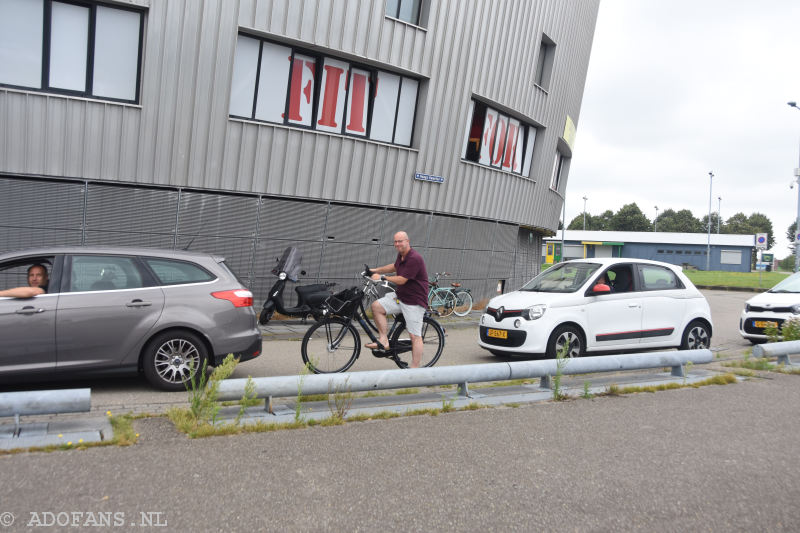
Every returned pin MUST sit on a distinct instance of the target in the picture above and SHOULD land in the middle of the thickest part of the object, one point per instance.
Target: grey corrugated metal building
(243, 126)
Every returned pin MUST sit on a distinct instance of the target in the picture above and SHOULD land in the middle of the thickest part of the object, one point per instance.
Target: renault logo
(498, 314)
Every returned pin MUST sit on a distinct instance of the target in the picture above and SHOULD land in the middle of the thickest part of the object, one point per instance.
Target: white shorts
(412, 313)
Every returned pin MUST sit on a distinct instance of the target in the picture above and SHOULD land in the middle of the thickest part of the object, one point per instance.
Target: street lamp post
(655, 220)
(708, 244)
(719, 210)
(797, 221)
(584, 213)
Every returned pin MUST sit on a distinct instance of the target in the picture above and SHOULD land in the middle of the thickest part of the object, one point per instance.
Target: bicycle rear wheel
(432, 340)
(330, 345)
(442, 302)
(463, 303)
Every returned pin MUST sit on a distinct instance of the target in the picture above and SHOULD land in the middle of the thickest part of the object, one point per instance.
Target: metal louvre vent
(480, 234)
(237, 252)
(354, 224)
(15, 238)
(415, 224)
(501, 265)
(343, 260)
(447, 232)
(505, 238)
(115, 208)
(475, 264)
(292, 219)
(443, 260)
(119, 238)
(216, 214)
(41, 204)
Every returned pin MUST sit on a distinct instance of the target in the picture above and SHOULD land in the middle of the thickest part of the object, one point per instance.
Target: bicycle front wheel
(442, 302)
(432, 343)
(330, 345)
(463, 303)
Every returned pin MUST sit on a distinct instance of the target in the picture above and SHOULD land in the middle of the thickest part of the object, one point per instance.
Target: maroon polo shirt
(412, 267)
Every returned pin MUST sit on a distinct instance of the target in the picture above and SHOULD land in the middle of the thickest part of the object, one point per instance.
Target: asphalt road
(717, 458)
(281, 357)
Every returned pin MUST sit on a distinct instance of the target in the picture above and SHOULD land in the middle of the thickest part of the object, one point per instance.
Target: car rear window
(104, 273)
(173, 272)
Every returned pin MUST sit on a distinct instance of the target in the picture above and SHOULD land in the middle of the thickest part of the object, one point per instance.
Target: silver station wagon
(122, 310)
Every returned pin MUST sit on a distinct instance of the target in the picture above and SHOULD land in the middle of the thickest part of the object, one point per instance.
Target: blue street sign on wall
(427, 177)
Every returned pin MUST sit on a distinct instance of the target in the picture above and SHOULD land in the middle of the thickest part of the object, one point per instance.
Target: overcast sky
(678, 88)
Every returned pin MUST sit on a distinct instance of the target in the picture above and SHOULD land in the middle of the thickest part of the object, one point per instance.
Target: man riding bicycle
(411, 297)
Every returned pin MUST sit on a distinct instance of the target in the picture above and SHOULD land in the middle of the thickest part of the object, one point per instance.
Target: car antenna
(186, 248)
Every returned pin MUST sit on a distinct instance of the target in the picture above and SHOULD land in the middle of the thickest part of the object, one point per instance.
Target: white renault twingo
(598, 305)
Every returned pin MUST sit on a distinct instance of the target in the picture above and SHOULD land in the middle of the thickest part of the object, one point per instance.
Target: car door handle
(634, 305)
(138, 303)
(29, 310)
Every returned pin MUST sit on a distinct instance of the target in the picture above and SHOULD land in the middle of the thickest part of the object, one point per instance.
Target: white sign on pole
(761, 241)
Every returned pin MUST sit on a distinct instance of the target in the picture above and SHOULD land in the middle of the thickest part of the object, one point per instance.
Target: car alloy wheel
(173, 358)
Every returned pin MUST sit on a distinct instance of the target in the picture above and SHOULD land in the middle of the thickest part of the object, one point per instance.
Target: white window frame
(369, 103)
(73, 69)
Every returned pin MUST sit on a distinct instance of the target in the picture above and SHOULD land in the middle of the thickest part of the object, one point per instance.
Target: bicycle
(448, 300)
(333, 344)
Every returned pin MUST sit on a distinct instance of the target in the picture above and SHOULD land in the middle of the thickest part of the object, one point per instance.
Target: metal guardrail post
(781, 350)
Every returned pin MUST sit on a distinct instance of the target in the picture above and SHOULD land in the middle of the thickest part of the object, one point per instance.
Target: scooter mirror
(302, 272)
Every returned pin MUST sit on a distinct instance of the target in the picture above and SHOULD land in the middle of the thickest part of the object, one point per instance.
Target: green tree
(630, 218)
(682, 221)
(738, 224)
(716, 224)
(790, 233)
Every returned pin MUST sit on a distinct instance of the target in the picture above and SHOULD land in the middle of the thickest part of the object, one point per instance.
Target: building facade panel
(178, 138)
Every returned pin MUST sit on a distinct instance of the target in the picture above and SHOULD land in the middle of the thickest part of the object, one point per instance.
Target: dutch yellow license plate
(497, 333)
(765, 324)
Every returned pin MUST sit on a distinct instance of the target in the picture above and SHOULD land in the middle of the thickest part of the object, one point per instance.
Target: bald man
(411, 298)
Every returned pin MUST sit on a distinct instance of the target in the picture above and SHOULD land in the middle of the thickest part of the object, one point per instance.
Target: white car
(603, 304)
(770, 309)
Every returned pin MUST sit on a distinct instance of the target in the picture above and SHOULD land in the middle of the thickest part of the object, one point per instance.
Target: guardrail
(44, 402)
(781, 350)
(461, 375)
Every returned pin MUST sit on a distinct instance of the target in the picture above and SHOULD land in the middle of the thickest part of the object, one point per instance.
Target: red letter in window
(499, 133)
(297, 90)
(511, 146)
(331, 96)
(356, 111)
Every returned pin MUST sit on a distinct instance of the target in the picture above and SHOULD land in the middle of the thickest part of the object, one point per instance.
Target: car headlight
(533, 312)
(796, 309)
(746, 308)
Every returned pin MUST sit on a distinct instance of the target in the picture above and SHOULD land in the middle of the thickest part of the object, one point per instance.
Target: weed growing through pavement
(248, 399)
(561, 363)
(586, 393)
(340, 399)
(298, 404)
(204, 390)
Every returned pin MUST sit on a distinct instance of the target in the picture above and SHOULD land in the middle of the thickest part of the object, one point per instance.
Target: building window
(286, 85)
(730, 257)
(75, 48)
(544, 63)
(497, 140)
(558, 170)
(405, 10)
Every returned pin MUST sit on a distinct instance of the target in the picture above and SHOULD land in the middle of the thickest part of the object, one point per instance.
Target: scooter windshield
(290, 263)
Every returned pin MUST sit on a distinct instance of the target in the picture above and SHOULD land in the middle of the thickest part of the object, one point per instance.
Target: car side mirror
(600, 288)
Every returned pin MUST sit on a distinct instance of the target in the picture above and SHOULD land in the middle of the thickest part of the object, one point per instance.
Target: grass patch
(616, 390)
(735, 279)
(124, 435)
(753, 364)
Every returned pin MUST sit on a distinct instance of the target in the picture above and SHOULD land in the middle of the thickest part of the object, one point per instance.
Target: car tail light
(239, 297)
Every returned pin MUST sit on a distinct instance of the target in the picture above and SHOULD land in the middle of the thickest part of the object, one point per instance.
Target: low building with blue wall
(732, 253)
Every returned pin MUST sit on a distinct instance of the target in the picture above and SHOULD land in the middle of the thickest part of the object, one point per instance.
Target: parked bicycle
(448, 300)
(333, 344)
